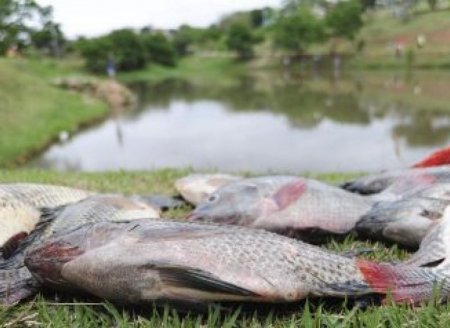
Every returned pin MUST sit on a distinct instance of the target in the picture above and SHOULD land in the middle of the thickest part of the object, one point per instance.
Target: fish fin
(16, 285)
(405, 284)
(12, 244)
(438, 158)
(186, 277)
(289, 193)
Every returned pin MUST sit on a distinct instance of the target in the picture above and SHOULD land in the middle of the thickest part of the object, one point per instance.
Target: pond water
(269, 123)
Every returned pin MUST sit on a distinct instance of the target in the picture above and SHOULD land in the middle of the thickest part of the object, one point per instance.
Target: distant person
(110, 68)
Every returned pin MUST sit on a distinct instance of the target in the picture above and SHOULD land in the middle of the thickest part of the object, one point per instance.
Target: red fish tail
(405, 284)
(438, 158)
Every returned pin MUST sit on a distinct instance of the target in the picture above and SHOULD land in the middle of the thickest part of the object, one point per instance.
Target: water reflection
(367, 122)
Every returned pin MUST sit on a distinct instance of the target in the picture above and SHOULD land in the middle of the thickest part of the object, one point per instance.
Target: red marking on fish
(438, 158)
(48, 260)
(11, 245)
(289, 193)
(387, 279)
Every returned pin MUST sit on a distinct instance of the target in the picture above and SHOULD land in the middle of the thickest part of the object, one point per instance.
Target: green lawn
(33, 112)
(79, 311)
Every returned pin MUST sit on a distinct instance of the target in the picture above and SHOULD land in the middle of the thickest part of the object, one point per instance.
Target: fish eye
(213, 198)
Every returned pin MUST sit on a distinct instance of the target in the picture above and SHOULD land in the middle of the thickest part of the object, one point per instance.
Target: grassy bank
(194, 68)
(46, 311)
(33, 112)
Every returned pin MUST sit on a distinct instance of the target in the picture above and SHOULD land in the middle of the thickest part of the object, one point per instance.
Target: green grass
(33, 112)
(194, 68)
(46, 311)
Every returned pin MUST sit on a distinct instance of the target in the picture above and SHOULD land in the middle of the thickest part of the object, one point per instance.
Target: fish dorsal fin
(289, 193)
(438, 158)
(191, 278)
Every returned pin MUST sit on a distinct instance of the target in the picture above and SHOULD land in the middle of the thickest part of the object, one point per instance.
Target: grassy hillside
(66, 311)
(33, 112)
(382, 31)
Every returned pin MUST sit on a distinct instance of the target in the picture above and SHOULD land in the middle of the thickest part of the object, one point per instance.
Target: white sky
(94, 17)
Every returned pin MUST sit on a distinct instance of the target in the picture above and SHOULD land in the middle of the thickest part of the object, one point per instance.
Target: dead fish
(284, 204)
(17, 283)
(20, 203)
(398, 180)
(407, 220)
(434, 248)
(195, 188)
(438, 158)
(151, 260)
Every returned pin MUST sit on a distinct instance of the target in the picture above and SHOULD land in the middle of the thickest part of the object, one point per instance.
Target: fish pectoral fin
(289, 193)
(189, 278)
(12, 244)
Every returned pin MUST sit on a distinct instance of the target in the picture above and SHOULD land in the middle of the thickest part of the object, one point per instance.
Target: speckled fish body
(284, 204)
(15, 280)
(400, 180)
(195, 188)
(148, 260)
(20, 204)
(407, 220)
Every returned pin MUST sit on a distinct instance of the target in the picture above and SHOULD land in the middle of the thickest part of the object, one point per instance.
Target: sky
(95, 17)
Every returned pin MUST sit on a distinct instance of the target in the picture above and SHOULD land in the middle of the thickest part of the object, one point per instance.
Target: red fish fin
(289, 193)
(405, 284)
(12, 244)
(438, 158)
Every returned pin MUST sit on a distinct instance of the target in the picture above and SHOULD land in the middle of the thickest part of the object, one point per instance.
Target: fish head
(46, 261)
(235, 203)
(403, 222)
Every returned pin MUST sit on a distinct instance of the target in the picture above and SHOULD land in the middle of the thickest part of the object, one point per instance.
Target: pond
(284, 123)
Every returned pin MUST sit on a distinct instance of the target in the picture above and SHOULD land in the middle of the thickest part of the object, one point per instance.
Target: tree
(297, 30)
(124, 46)
(18, 20)
(241, 40)
(345, 19)
(159, 49)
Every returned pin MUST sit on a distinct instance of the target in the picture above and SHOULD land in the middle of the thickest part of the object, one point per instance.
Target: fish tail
(404, 283)
(438, 158)
(16, 284)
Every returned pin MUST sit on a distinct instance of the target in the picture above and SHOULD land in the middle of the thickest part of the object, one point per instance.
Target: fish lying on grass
(17, 283)
(151, 260)
(435, 246)
(20, 203)
(377, 183)
(284, 204)
(195, 188)
(407, 220)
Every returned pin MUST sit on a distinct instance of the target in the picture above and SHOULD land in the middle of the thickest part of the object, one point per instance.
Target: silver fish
(195, 188)
(376, 183)
(284, 204)
(17, 283)
(407, 220)
(435, 246)
(20, 203)
(148, 260)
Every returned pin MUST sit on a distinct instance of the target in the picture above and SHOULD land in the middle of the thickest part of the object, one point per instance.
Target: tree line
(293, 28)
